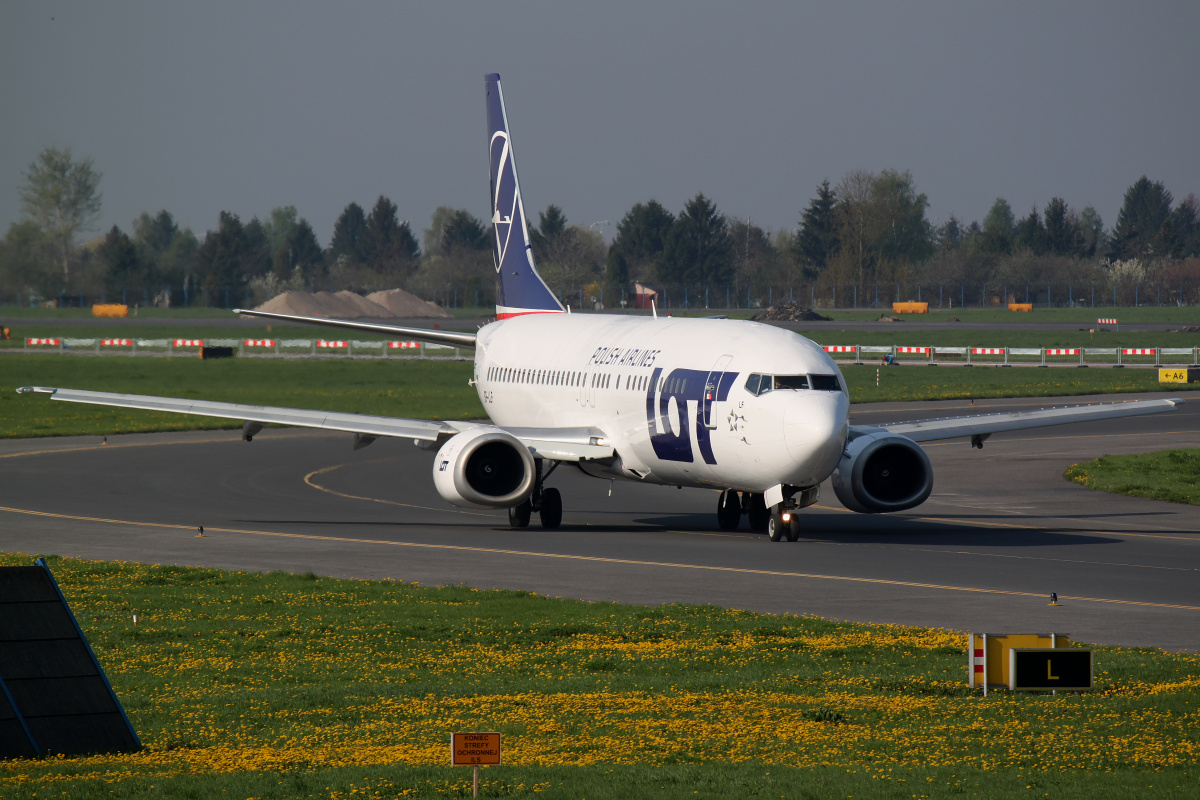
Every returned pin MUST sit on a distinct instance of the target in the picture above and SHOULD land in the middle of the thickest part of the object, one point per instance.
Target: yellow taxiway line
(597, 559)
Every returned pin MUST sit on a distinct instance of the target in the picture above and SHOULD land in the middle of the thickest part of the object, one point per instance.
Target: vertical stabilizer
(519, 288)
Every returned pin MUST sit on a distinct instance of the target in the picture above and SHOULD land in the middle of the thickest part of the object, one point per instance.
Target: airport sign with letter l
(474, 749)
(1042, 669)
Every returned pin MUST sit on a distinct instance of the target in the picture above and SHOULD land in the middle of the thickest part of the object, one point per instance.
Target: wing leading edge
(561, 444)
(450, 338)
(987, 424)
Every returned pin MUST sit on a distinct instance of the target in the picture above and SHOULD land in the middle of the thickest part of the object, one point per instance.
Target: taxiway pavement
(1001, 531)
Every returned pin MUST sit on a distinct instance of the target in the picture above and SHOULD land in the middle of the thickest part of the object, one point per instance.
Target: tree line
(870, 229)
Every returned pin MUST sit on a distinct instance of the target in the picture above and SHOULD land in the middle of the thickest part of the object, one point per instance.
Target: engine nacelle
(484, 468)
(882, 472)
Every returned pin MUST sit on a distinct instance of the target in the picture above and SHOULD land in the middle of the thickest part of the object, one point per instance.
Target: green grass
(1085, 317)
(420, 389)
(278, 685)
(1164, 475)
(910, 383)
(24, 313)
(176, 330)
(898, 335)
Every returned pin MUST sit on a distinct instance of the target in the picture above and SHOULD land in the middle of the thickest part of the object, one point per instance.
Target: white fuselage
(670, 395)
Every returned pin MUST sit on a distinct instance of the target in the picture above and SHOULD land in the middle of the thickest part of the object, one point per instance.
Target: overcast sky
(245, 106)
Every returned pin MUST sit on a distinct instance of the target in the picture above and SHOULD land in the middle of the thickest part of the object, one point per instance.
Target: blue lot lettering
(683, 385)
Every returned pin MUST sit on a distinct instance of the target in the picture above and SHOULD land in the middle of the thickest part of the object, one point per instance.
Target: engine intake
(882, 472)
(484, 468)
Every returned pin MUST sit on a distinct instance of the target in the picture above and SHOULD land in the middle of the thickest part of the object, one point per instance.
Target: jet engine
(484, 468)
(882, 471)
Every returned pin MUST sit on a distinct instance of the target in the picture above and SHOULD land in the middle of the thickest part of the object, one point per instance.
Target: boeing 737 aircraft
(757, 412)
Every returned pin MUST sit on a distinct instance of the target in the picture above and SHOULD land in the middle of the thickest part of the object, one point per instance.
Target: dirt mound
(400, 303)
(886, 318)
(789, 312)
(299, 303)
(348, 305)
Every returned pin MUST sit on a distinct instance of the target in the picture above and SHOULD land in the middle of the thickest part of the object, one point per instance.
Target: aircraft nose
(812, 426)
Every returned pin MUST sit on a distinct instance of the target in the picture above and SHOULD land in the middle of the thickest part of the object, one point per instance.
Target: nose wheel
(783, 524)
(779, 521)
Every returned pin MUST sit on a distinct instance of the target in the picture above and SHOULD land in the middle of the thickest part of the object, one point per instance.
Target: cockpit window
(791, 381)
(757, 384)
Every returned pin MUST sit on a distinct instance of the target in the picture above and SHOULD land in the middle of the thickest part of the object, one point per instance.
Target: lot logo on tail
(519, 288)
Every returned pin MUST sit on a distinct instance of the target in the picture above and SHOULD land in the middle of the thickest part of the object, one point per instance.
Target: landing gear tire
(756, 510)
(729, 511)
(551, 510)
(793, 528)
(776, 527)
(518, 515)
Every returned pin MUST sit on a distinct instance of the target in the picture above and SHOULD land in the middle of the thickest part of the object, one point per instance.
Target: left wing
(560, 444)
(984, 425)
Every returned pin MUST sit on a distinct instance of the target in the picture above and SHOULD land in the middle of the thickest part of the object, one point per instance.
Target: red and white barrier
(1073, 351)
(921, 350)
(1106, 321)
(117, 342)
(987, 351)
(188, 342)
(840, 349)
(54, 342)
(331, 344)
(403, 345)
(1138, 351)
(259, 343)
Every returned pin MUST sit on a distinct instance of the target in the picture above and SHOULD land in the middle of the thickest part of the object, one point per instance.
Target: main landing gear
(779, 522)
(547, 502)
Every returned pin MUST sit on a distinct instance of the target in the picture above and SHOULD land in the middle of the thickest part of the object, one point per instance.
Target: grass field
(270, 686)
(418, 389)
(1165, 475)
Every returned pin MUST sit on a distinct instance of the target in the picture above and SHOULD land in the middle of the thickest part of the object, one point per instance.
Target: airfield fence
(259, 348)
(1018, 356)
(842, 354)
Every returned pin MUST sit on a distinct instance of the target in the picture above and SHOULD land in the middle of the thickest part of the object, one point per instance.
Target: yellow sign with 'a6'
(1178, 375)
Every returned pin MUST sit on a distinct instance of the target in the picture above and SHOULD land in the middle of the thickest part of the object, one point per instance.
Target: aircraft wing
(450, 338)
(986, 424)
(560, 444)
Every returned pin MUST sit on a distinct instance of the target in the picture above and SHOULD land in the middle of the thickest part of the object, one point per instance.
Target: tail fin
(519, 288)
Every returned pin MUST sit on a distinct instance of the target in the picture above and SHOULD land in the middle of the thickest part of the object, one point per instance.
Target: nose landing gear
(779, 522)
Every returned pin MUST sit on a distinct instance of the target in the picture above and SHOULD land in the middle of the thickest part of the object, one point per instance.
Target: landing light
(786, 516)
